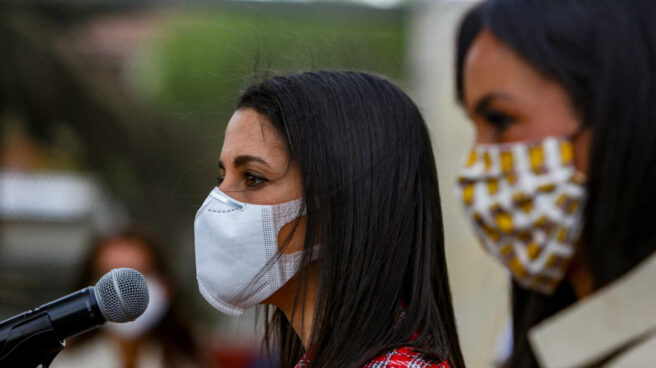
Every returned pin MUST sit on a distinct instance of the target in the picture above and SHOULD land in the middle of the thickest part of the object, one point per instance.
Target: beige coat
(620, 319)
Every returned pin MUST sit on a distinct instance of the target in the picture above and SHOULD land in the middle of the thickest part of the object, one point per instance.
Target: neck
(579, 275)
(301, 316)
(129, 350)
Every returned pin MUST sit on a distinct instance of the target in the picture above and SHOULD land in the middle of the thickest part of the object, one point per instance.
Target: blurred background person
(560, 184)
(161, 337)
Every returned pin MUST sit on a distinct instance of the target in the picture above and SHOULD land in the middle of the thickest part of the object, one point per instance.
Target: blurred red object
(225, 356)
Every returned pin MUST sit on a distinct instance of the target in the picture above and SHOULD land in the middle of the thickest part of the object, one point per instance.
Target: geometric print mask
(525, 201)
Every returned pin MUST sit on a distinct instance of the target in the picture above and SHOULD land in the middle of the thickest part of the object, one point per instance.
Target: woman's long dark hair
(603, 52)
(370, 185)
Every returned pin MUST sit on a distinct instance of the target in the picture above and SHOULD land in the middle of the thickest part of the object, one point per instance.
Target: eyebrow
(484, 102)
(244, 159)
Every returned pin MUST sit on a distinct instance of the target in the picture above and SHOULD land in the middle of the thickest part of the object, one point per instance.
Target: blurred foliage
(199, 64)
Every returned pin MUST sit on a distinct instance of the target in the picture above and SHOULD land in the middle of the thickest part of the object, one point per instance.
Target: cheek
(548, 112)
(485, 133)
(582, 151)
(295, 243)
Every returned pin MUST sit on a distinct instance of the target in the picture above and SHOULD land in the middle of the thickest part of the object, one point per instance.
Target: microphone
(35, 337)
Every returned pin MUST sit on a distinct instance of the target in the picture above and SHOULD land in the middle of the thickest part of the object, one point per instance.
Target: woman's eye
(253, 180)
(499, 120)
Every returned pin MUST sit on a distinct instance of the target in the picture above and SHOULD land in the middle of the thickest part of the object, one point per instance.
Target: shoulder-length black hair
(370, 184)
(603, 52)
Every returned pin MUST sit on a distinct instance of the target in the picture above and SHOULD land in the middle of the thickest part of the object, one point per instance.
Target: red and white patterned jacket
(404, 357)
(397, 358)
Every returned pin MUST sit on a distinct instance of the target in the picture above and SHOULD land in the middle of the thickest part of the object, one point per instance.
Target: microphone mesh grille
(122, 295)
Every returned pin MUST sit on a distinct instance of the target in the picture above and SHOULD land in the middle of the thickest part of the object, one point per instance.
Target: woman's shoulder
(404, 357)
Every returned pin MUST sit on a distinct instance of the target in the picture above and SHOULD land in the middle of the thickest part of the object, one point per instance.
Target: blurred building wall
(479, 285)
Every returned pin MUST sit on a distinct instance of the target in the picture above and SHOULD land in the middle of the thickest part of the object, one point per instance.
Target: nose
(232, 186)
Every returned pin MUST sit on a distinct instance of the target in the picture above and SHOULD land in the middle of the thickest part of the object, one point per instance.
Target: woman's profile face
(255, 167)
(510, 101)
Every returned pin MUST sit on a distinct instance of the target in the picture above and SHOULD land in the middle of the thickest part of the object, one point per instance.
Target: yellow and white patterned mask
(525, 200)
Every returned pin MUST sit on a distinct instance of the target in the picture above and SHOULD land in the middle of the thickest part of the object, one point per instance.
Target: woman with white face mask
(560, 185)
(327, 209)
(159, 338)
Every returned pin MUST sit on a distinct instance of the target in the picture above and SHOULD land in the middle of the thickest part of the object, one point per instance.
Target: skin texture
(510, 101)
(255, 167)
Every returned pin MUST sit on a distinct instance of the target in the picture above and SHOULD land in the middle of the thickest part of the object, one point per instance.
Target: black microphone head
(122, 295)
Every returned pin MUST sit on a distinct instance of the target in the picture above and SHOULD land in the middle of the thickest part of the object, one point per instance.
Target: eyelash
(247, 177)
(499, 120)
(260, 180)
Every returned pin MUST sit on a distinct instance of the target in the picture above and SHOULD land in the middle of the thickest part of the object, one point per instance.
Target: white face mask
(158, 305)
(237, 260)
(525, 201)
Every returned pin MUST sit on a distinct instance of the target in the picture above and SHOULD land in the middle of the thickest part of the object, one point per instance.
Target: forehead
(124, 252)
(492, 66)
(250, 133)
